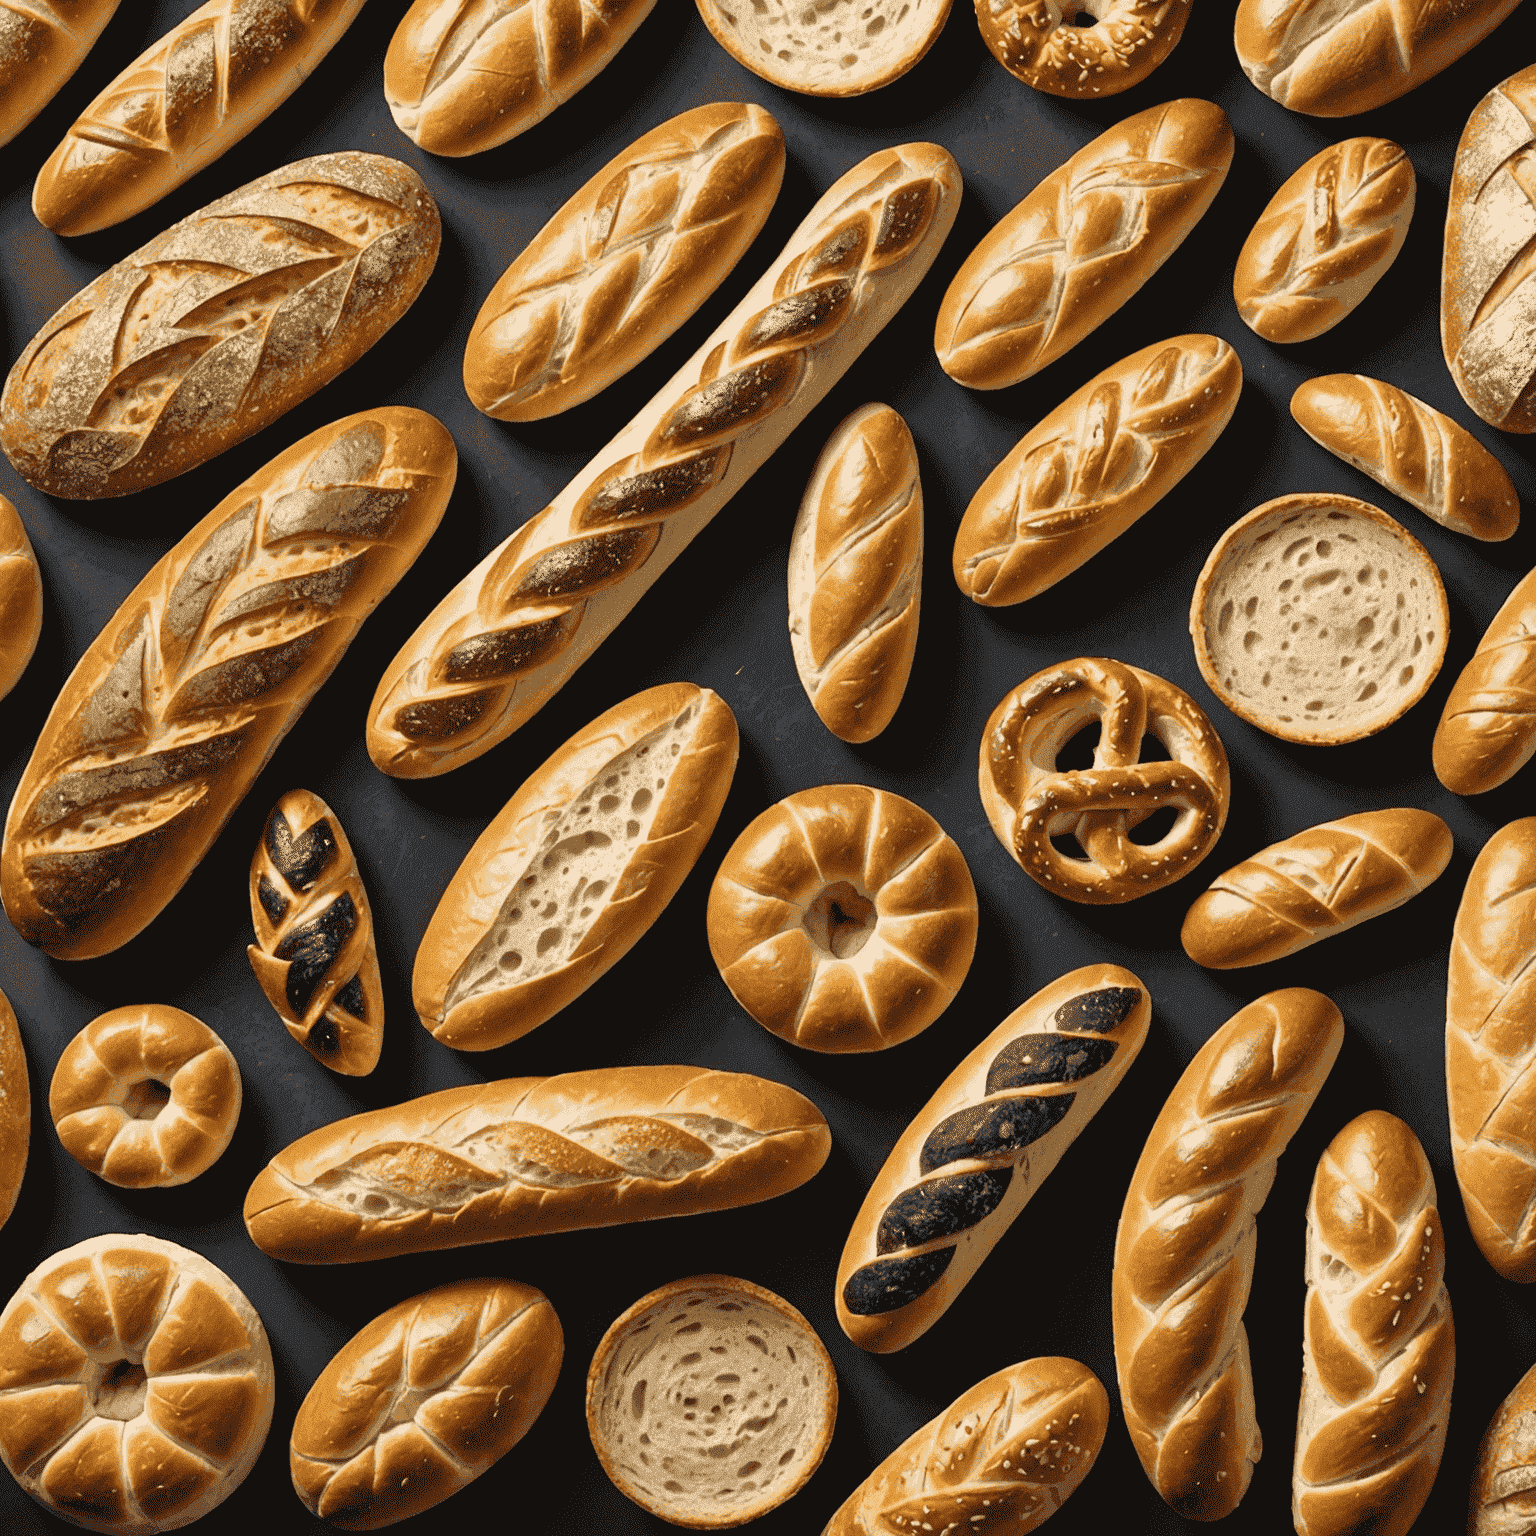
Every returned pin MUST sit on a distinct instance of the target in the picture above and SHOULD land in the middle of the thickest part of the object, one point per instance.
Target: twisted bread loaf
(1185, 1250)
(1380, 1349)
(515, 628)
(21, 598)
(40, 48)
(1504, 1478)
(15, 1110)
(1041, 42)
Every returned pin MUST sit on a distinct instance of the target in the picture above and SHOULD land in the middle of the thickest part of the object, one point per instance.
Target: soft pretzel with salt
(1042, 43)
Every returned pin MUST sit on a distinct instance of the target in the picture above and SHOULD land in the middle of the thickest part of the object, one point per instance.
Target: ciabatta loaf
(15, 1110)
(21, 598)
(40, 48)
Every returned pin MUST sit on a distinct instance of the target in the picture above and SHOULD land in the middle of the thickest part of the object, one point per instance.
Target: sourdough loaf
(21, 598)
(1050, 47)
(40, 48)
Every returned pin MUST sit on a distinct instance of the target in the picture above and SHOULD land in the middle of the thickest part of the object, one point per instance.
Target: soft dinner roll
(21, 598)
(40, 48)
(15, 1110)
(1048, 45)
(1504, 1478)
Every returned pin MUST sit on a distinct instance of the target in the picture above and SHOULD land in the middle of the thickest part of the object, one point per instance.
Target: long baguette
(21, 598)
(40, 48)
(514, 630)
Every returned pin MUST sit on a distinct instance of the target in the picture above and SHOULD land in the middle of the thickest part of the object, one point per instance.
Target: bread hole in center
(121, 1391)
(145, 1099)
(1079, 15)
(1156, 827)
(840, 920)
(1077, 751)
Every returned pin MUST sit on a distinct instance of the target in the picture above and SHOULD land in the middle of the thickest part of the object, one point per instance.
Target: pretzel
(1029, 800)
(1046, 44)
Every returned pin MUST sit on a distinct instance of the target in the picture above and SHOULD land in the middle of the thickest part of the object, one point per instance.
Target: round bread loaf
(145, 1097)
(1504, 1477)
(15, 1110)
(1049, 45)
(710, 1402)
(21, 598)
(135, 1385)
(1319, 619)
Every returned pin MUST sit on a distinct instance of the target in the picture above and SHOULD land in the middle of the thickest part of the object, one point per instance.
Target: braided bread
(172, 711)
(1043, 43)
(1185, 1250)
(977, 1151)
(40, 48)
(1504, 1477)
(513, 630)
(15, 1110)
(21, 598)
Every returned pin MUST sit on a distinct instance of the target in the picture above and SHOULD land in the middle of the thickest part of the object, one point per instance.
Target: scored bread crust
(1185, 1249)
(1504, 1475)
(38, 54)
(1040, 42)
(15, 1110)
(671, 752)
(21, 598)
(532, 1155)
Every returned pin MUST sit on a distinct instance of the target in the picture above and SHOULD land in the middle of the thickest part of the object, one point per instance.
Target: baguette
(624, 262)
(21, 598)
(977, 1151)
(1413, 450)
(1082, 243)
(1315, 884)
(205, 85)
(1048, 46)
(1185, 1250)
(1504, 1476)
(532, 1155)
(1105, 456)
(178, 703)
(40, 48)
(218, 325)
(577, 866)
(15, 1110)
(515, 628)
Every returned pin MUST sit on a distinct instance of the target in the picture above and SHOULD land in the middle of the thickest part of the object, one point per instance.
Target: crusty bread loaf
(519, 624)
(315, 956)
(856, 574)
(15, 1110)
(1324, 240)
(624, 262)
(136, 1385)
(1334, 58)
(531, 1155)
(466, 75)
(1006, 1455)
(201, 88)
(421, 1401)
(1415, 451)
(1319, 619)
(1315, 884)
(974, 1155)
(710, 1402)
(218, 325)
(1082, 243)
(1504, 1477)
(173, 709)
(576, 867)
(40, 48)
(21, 598)
(1184, 1253)
(1046, 46)
(1380, 1349)
(1488, 276)
(1084, 473)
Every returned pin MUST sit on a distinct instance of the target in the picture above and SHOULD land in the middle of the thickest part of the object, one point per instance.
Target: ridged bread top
(21, 598)
(41, 47)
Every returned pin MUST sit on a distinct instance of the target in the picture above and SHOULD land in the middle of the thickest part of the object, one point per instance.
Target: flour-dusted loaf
(1082, 243)
(202, 87)
(1084, 473)
(175, 706)
(1184, 1253)
(517, 626)
(974, 1155)
(21, 598)
(422, 1400)
(15, 1110)
(624, 262)
(576, 867)
(41, 46)
(531, 1155)
(218, 325)
(1051, 47)
(1504, 1477)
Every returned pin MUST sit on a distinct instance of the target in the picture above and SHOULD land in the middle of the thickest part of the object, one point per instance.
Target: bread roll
(1105, 456)
(1488, 277)
(423, 1400)
(15, 1110)
(515, 628)
(1184, 1253)
(176, 705)
(1412, 449)
(1325, 240)
(135, 1385)
(577, 866)
(530, 1155)
(1380, 1349)
(21, 598)
(1082, 243)
(218, 325)
(315, 955)
(1504, 1478)
(462, 76)
(205, 85)
(624, 262)
(1315, 884)
(40, 48)
(1006, 1456)
(977, 1151)
(1045, 46)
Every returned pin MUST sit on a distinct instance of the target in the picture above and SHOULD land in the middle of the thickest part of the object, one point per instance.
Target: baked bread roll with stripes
(1050, 47)
(977, 1151)
(1415, 451)
(40, 48)
(856, 574)
(1315, 884)
(21, 598)
(531, 1155)
(15, 1110)
(517, 626)
(1504, 1477)
(1188, 1235)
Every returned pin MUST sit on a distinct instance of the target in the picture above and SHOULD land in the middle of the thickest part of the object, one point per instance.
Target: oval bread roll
(1082, 243)
(1105, 456)
(40, 48)
(1315, 884)
(21, 598)
(576, 867)
(1051, 47)
(424, 1399)
(15, 1110)
(1504, 1477)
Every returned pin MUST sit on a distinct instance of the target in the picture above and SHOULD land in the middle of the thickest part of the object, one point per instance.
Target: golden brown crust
(1042, 44)
(37, 55)
(21, 598)
(15, 1110)
(1504, 1476)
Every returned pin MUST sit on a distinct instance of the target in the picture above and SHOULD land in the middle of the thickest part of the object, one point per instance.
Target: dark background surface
(718, 618)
